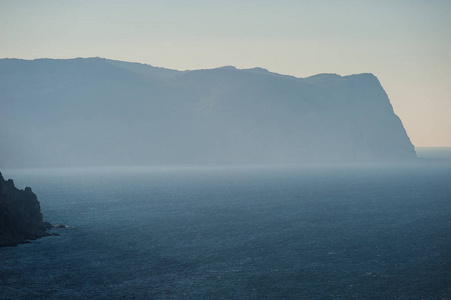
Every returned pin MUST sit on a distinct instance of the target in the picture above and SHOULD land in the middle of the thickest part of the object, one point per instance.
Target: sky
(405, 43)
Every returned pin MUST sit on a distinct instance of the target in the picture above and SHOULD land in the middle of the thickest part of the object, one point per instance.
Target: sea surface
(306, 231)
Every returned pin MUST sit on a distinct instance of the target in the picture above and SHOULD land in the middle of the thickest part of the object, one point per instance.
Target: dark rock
(20, 215)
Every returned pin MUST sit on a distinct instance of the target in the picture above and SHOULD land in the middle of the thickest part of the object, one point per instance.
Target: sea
(293, 231)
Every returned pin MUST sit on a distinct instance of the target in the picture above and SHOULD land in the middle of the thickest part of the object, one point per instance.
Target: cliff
(20, 215)
(96, 111)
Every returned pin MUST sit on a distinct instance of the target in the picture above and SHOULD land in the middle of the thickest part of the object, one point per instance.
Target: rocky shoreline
(20, 215)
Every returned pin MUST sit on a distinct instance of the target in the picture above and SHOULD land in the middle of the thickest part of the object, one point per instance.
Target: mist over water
(330, 231)
(434, 153)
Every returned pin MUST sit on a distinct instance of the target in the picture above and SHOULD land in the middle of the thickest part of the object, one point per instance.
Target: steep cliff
(96, 111)
(20, 215)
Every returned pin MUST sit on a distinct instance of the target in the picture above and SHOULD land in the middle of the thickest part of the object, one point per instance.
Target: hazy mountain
(96, 111)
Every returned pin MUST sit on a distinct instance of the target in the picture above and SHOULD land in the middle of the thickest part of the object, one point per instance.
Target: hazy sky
(406, 44)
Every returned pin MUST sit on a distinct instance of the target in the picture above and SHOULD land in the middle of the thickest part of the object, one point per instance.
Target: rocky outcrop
(20, 215)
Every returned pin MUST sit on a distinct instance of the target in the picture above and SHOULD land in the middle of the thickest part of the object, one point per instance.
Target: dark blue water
(281, 232)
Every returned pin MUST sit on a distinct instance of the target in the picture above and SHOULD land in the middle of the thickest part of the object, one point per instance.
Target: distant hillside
(96, 111)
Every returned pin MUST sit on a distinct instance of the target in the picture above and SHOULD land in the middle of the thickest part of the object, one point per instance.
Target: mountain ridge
(99, 111)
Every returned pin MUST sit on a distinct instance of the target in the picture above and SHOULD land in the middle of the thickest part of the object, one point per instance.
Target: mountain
(95, 111)
(20, 215)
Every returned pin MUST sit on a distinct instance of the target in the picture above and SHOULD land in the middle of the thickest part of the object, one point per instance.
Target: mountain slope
(100, 112)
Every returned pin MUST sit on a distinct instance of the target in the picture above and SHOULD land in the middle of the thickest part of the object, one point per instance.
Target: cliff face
(100, 112)
(20, 215)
